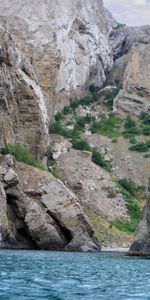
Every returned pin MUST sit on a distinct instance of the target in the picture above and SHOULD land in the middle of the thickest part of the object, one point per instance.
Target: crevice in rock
(22, 238)
(67, 233)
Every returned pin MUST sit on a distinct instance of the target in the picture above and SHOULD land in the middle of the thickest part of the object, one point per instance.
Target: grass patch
(22, 154)
(108, 126)
(133, 195)
(57, 174)
(128, 227)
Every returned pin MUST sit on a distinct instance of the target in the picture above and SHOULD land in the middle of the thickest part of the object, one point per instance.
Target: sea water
(40, 275)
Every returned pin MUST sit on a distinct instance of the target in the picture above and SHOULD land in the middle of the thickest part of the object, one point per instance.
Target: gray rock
(11, 178)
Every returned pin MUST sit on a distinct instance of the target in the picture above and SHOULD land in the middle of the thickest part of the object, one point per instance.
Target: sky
(130, 12)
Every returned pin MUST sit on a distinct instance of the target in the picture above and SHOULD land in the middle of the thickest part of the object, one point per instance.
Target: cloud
(130, 12)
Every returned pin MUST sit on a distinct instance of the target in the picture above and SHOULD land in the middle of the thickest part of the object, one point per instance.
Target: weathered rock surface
(141, 244)
(23, 115)
(67, 42)
(131, 51)
(122, 40)
(39, 212)
(92, 185)
(135, 95)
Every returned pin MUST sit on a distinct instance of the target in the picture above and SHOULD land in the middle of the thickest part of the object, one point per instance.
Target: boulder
(37, 211)
(11, 178)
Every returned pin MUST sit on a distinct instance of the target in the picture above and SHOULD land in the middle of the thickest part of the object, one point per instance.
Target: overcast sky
(130, 12)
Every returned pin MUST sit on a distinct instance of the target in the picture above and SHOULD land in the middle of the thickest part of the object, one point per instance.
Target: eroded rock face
(23, 115)
(39, 212)
(122, 40)
(141, 244)
(131, 51)
(67, 42)
(135, 95)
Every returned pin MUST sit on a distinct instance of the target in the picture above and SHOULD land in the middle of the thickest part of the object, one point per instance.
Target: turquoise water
(39, 275)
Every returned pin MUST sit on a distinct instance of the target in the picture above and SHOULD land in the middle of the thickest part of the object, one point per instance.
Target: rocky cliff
(23, 114)
(131, 52)
(67, 42)
(51, 53)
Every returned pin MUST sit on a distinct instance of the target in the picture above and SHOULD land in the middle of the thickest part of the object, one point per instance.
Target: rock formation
(67, 42)
(23, 114)
(131, 51)
(37, 211)
(141, 244)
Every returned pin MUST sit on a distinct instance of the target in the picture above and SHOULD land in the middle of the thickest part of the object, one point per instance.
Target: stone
(11, 178)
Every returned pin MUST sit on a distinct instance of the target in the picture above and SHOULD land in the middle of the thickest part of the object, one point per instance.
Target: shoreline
(114, 250)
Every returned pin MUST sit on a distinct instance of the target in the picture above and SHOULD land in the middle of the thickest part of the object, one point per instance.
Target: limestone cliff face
(23, 114)
(131, 51)
(135, 95)
(67, 42)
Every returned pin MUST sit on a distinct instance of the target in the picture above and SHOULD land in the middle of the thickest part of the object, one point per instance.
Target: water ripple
(39, 275)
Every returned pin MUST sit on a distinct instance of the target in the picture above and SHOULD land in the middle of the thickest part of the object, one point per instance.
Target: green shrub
(58, 116)
(128, 185)
(67, 110)
(130, 132)
(22, 154)
(114, 141)
(99, 160)
(140, 93)
(81, 145)
(129, 122)
(133, 140)
(145, 117)
(146, 130)
(110, 96)
(58, 129)
(131, 193)
(140, 147)
(82, 121)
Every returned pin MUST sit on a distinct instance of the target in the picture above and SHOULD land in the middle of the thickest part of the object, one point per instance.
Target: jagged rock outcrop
(131, 51)
(37, 211)
(122, 40)
(135, 95)
(67, 42)
(23, 114)
(141, 244)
